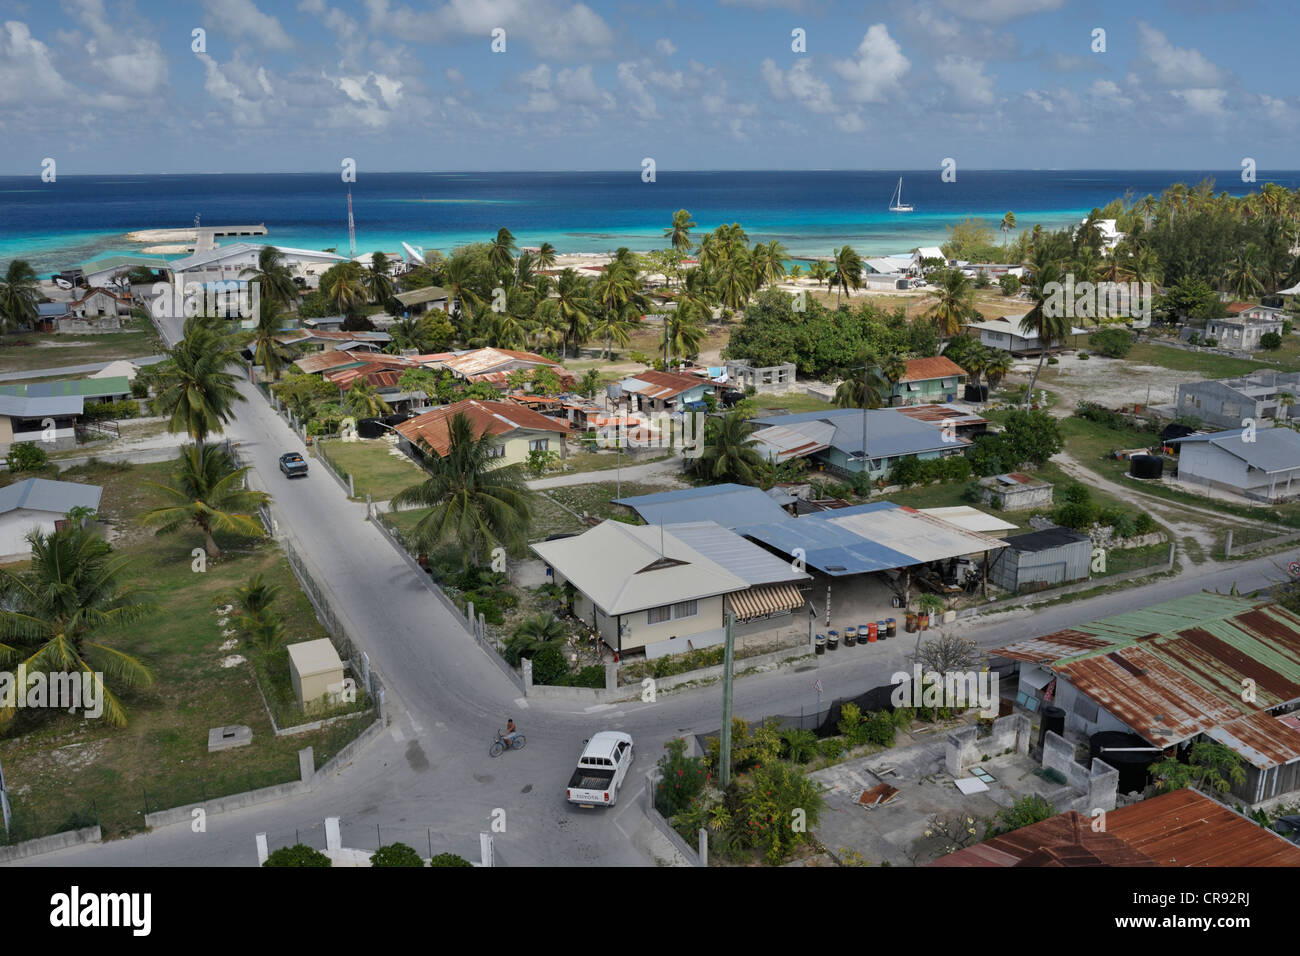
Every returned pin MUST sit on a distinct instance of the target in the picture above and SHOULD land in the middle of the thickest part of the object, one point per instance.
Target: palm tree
(680, 231)
(195, 390)
(683, 335)
(1008, 224)
(572, 299)
(820, 272)
(501, 255)
(734, 279)
(976, 363)
(363, 401)
(207, 489)
(863, 387)
(848, 272)
(459, 280)
(475, 501)
(617, 292)
(1049, 328)
(19, 292)
(49, 612)
(768, 263)
(894, 368)
(956, 302)
(997, 367)
(268, 351)
(1241, 276)
(730, 452)
(376, 279)
(546, 256)
(344, 288)
(533, 633)
(273, 277)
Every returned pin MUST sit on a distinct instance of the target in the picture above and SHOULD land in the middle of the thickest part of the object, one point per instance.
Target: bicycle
(501, 745)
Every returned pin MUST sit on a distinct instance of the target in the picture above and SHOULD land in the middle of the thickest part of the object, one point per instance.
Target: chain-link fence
(28, 823)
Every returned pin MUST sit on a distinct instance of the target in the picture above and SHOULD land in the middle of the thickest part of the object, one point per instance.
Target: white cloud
(1205, 101)
(876, 69)
(1174, 66)
(551, 28)
(1110, 92)
(965, 77)
(1000, 9)
(243, 20)
(578, 86)
(665, 46)
(640, 98)
(125, 61)
(798, 83)
(27, 71)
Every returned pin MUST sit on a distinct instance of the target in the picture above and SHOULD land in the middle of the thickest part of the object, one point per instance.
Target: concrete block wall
(965, 748)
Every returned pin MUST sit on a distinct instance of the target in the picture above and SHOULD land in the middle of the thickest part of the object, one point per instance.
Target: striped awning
(764, 600)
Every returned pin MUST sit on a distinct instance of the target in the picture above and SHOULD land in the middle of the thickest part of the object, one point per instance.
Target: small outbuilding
(1041, 559)
(1015, 492)
(316, 671)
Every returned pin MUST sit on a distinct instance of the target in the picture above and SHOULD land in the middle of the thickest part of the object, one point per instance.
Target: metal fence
(26, 823)
(426, 839)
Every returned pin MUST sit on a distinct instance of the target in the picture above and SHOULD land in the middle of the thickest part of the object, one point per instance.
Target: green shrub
(592, 675)
(1077, 515)
(1144, 524)
(1124, 525)
(396, 854)
(903, 717)
(549, 665)
(101, 411)
(140, 388)
(449, 859)
(1082, 355)
(298, 855)
(681, 778)
(878, 728)
(1112, 343)
(974, 491)
(800, 745)
(26, 456)
(1077, 493)
(773, 797)
(831, 748)
(1053, 360)
(1270, 341)
(1025, 812)
(850, 723)
(1010, 284)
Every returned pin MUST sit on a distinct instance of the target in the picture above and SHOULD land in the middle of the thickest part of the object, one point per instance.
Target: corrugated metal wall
(1059, 565)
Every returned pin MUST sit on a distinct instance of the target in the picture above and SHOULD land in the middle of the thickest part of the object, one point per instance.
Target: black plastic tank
(1146, 466)
(1127, 753)
(1053, 719)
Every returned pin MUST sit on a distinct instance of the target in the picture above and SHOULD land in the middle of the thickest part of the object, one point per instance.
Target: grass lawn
(596, 499)
(584, 461)
(1205, 364)
(32, 351)
(64, 771)
(373, 466)
(793, 402)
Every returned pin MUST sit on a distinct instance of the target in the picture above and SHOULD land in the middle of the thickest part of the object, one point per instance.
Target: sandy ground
(1111, 382)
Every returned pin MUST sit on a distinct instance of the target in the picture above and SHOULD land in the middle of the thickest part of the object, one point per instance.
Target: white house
(1262, 464)
(49, 420)
(1005, 333)
(226, 263)
(38, 504)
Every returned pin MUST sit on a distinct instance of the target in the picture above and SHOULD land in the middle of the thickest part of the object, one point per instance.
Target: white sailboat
(896, 203)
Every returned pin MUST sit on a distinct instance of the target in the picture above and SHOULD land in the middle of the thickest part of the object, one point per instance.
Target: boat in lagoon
(896, 203)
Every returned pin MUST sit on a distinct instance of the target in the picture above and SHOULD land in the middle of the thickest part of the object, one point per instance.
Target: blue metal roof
(827, 547)
(730, 505)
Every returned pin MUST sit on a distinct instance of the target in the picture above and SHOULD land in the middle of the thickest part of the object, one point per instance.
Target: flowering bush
(681, 778)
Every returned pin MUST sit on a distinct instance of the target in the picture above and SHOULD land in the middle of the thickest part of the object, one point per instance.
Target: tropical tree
(820, 272)
(207, 489)
(848, 272)
(50, 612)
(617, 293)
(501, 255)
(275, 285)
(546, 256)
(679, 233)
(344, 288)
(683, 335)
(863, 386)
(768, 261)
(572, 298)
(729, 451)
(1242, 276)
(475, 500)
(997, 367)
(893, 368)
(376, 280)
(363, 401)
(196, 391)
(1042, 321)
(268, 351)
(955, 304)
(1008, 224)
(19, 292)
(532, 634)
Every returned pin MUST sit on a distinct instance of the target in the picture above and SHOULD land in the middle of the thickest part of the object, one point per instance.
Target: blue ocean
(76, 218)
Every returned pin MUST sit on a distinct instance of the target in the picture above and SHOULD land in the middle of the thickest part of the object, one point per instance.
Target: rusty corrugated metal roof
(1187, 828)
(1179, 828)
(1261, 739)
(1178, 669)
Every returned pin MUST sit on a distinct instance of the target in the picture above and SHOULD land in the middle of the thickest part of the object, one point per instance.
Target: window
(539, 444)
(497, 451)
(671, 612)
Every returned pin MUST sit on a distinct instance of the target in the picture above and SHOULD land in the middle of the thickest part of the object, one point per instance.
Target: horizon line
(635, 171)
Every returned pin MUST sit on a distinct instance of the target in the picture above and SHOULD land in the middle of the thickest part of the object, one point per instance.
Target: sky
(405, 85)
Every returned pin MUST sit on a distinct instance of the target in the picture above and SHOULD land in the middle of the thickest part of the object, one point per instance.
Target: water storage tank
(977, 393)
(1146, 466)
(1127, 753)
(1053, 719)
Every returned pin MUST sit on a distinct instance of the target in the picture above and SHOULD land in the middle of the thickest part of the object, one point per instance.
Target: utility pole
(728, 660)
(866, 463)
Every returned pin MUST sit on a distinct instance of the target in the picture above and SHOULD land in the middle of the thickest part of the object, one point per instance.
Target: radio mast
(352, 229)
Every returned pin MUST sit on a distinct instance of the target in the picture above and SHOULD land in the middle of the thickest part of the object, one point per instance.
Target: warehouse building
(1041, 559)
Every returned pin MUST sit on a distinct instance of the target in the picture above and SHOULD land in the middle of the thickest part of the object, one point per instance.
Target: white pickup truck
(601, 770)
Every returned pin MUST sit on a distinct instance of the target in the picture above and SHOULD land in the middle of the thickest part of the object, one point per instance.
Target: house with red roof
(929, 380)
(515, 430)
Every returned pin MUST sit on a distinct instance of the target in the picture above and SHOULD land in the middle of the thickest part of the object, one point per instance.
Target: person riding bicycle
(511, 732)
